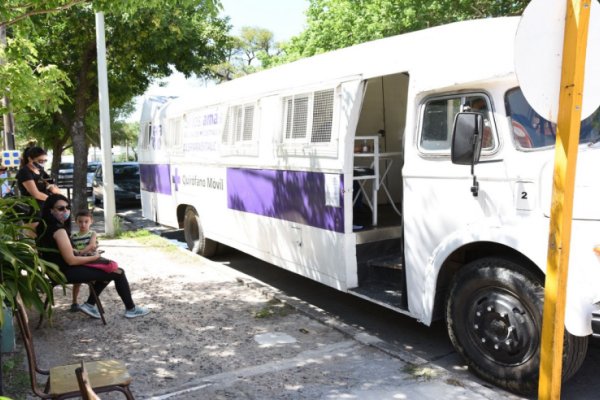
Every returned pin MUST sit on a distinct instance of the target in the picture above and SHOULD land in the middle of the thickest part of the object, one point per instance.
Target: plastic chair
(104, 376)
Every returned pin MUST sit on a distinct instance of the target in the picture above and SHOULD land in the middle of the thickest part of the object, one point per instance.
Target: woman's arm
(52, 188)
(33, 191)
(66, 250)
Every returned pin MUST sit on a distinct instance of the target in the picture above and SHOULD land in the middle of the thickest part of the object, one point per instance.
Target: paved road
(431, 343)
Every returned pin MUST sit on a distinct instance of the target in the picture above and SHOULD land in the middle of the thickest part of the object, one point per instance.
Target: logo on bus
(194, 180)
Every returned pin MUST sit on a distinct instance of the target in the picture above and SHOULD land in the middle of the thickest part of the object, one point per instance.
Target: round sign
(538, 57)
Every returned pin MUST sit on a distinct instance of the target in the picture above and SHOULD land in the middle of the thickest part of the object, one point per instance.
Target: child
(84, 243)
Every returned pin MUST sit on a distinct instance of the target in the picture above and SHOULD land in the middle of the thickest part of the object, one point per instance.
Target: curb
(366, 339)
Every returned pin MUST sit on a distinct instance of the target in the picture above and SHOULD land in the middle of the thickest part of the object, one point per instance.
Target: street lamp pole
(105, 139)
(8, 119)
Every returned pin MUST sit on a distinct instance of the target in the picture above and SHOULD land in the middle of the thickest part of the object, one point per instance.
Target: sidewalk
(215, 333)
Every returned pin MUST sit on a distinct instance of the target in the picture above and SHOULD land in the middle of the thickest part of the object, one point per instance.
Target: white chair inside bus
(369, 175)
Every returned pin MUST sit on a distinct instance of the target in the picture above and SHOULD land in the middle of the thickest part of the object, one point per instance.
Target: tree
(252, 51)
(257, 44)
(141, 46)
(15, 11)
(334, 24)
(28, 84)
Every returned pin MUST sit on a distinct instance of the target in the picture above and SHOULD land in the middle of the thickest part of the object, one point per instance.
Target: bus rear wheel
(494, 318)
(194, 235)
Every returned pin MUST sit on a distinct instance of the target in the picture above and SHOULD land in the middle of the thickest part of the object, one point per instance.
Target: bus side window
(438, 119)
(479, 104)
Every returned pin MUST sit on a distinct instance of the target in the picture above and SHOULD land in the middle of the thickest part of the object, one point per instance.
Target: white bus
(338, 168)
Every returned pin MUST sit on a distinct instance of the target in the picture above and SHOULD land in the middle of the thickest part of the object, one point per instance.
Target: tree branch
(39, 12)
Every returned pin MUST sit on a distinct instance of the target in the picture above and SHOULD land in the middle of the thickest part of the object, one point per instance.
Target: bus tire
(494, 319)
(194, 235)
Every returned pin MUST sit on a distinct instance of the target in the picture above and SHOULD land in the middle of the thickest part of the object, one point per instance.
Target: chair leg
(98, 302)
(128, 393)
(123, 389)
(46, 307)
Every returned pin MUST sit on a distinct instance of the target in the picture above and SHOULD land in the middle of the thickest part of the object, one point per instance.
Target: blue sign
(11, 158)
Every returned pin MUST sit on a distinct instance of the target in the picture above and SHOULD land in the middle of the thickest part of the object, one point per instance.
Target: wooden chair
(104, 376)
(87, 393)
(94, 295)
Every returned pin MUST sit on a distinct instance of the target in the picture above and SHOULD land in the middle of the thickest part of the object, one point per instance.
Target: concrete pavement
(302, 353)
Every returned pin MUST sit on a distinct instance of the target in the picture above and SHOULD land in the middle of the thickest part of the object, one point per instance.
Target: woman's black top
(25, 174)
(47, 246)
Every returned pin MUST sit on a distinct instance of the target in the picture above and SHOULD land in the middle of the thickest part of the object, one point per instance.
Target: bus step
(381, 293)
(393, 262)
(388, 270)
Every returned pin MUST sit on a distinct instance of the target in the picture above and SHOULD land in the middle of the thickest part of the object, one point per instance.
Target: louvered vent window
(322, 116)
(306, 113)
(248, 122)
(239, 124)
(296, 116)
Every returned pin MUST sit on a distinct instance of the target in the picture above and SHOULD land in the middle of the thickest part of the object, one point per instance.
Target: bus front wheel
(494, 318)
(194, 235)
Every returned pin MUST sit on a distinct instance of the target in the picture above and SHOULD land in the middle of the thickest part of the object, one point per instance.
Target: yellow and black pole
(567, 140)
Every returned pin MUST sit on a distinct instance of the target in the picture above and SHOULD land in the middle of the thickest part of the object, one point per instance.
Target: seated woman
(55, 246)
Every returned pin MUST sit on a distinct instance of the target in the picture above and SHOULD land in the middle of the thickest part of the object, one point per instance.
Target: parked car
(91, 171)
(65, 175)
(126, 184)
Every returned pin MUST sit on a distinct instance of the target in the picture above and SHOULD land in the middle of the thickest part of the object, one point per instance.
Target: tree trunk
(80, 151)
(56, 158)
(78, 137)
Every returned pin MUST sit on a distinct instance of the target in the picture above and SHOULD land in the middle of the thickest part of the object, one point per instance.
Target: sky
(285, 18)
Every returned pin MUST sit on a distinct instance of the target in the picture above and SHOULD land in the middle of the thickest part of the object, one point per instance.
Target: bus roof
(439, 57)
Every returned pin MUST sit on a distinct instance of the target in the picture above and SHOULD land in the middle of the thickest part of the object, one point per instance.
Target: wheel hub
(503, 329)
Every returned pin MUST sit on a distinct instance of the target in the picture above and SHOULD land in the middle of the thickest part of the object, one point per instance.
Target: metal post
(561, 213)
(8, 120)
(105, 139)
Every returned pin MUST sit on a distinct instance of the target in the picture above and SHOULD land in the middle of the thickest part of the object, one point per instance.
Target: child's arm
(91, 246)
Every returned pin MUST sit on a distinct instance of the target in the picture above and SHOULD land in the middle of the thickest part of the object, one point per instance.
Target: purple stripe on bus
(155, 178)
(289, 195)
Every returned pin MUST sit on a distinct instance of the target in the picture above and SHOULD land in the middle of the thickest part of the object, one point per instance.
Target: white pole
(105, 141)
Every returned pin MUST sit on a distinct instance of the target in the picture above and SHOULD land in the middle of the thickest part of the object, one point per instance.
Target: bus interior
(377, 191)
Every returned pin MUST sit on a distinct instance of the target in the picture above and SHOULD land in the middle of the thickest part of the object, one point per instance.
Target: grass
(140, 233)
(146, 238)
(273, 308)
(123, 234)
(418, 372)
(155, 241)
(15, 376)
(118, 225)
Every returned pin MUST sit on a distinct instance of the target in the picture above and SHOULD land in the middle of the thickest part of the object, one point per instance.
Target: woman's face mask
(61, 213)
(39, 163)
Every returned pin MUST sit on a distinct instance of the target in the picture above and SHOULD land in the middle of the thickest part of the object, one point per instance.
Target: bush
(21, 270)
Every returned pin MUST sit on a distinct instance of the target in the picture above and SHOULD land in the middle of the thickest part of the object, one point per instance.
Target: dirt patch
(203, 322)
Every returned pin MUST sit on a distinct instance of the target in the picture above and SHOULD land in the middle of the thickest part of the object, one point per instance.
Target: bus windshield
(530, 131)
